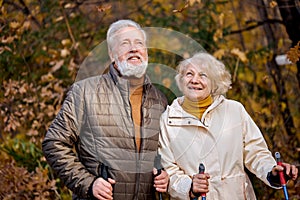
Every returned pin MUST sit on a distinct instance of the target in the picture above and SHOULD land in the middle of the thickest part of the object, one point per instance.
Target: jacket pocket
(229, 188)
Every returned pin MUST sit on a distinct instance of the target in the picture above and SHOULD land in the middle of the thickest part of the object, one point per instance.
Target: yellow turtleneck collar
(196, 108)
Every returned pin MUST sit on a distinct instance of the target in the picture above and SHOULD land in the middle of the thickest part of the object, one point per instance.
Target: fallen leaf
(57, 66)
(104, 7)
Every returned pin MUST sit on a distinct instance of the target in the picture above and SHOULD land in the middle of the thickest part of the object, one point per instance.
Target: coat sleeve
(59, 142)
(180, 183)
(257, 157)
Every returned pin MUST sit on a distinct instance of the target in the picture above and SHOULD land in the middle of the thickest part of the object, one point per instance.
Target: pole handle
(157, 165)
(279, 162)
(201, 171)
(281, 175)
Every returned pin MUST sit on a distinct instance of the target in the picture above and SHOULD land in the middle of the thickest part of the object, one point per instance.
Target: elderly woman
(205, 127)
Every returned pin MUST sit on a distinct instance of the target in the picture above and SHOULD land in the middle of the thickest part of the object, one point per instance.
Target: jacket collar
(178, 116)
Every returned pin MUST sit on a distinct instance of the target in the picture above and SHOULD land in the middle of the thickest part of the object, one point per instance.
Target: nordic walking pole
(104, 172)
(281, 176)
(157, 165)
(201, 171)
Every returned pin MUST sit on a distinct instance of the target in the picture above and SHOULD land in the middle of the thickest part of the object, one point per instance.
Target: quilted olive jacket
(95, 127)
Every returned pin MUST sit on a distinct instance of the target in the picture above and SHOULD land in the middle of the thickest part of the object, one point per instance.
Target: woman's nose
(195, 79)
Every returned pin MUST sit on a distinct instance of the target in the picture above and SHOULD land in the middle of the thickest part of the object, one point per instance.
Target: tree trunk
(275, 72)
(290, 15)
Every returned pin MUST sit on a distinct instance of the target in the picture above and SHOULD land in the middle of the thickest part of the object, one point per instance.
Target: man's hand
(161, 181)
(199, 184)
(290, 170)
(103, 189)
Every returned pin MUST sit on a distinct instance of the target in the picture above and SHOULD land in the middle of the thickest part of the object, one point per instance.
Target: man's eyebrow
(135, 39)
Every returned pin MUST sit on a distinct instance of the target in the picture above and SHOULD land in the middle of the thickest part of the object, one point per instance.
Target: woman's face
(195, 83)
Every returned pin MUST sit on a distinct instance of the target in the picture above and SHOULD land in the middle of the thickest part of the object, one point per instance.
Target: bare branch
(258, 23)
(74, 45)
(27, 12)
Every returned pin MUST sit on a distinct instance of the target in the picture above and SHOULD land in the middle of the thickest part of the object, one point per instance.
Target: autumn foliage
(18, 183)
(43, 43)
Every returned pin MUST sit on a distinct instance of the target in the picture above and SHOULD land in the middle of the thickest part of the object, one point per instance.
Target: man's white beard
(129, 70)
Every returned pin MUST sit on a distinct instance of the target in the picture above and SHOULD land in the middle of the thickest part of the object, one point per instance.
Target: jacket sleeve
(180, 183)
(59, 142)
(257, 157)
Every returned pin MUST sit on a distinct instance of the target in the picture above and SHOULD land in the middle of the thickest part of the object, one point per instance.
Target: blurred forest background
(43, 43)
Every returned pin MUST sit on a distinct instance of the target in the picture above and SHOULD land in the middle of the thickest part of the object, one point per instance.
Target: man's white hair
(116, 26)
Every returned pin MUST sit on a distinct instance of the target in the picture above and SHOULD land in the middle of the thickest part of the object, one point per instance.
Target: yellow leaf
(23, 89)
(294, 53)
(280, 43)
(219, 53)
(7, 40)
(5, 48)
(104, 7)
(192, 2)
(218, 35)
(14, 25)
(60, 18)
(241, 55)
(64, 53)
(57, 88)
(182, 9)
(66, 42)
(47, 78)
(283, 106)
(57, 66)
(221, 19)
(70, 5)
(273, 4)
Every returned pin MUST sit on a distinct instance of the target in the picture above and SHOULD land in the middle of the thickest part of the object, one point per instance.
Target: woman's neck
(196, 108)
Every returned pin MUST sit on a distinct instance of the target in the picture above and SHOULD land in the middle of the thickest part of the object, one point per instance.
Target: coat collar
(178, 116)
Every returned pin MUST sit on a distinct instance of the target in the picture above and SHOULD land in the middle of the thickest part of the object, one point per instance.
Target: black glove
(275, 180)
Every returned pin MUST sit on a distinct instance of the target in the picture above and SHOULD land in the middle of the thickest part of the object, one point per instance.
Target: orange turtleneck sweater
(136, 94)
(196, 108)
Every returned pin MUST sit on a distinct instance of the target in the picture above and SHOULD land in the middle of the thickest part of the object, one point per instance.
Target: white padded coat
(225, 140)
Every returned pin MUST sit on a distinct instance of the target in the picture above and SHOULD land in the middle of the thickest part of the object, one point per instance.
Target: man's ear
(111, 56)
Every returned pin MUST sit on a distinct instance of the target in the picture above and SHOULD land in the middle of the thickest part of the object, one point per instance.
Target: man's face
(130, 52)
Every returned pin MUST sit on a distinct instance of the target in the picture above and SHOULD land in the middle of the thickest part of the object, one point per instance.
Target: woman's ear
(178, 81)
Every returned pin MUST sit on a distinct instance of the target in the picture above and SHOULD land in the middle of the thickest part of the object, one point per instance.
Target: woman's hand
(199, 184)
(290, 170)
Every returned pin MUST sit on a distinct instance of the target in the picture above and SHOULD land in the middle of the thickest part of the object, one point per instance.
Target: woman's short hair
(116, 26)
(220, 78)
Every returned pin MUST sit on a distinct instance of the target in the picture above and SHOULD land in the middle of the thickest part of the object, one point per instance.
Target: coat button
(189, 122)
(170, 122)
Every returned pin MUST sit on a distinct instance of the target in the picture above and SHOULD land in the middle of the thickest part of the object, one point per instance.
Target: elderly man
(112, 122)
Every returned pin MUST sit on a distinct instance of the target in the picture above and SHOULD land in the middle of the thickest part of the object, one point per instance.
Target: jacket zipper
(141, 146)
(137, 157)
